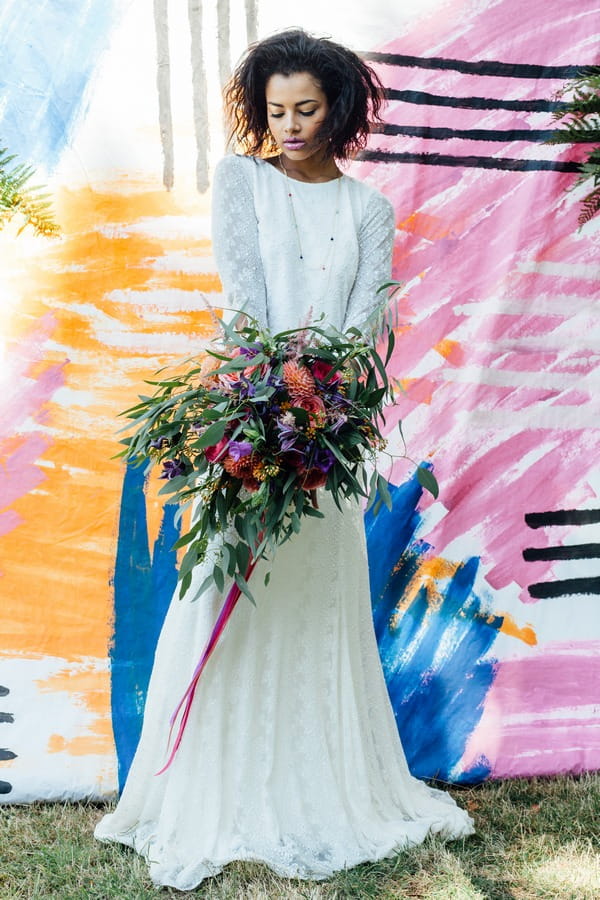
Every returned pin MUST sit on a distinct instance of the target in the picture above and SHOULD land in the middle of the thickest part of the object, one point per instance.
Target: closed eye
(310, 112)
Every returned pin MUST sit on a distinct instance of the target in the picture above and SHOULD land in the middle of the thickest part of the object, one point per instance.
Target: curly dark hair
(353, 90)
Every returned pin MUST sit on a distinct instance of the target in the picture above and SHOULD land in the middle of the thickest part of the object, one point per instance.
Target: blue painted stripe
(48, 53)
(437, 697)
(143, 587)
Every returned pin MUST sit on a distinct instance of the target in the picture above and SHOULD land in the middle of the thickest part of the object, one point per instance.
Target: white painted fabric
(291, 755)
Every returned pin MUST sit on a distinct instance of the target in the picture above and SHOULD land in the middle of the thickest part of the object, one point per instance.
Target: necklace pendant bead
(327, 265)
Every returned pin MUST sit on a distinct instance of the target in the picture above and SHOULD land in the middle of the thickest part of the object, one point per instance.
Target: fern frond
(580, 123)
(590, 205)
(17, 196)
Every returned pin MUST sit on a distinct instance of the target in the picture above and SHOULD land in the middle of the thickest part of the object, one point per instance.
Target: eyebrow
(301, 103)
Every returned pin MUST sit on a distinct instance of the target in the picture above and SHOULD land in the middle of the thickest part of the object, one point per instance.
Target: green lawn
(535, 838)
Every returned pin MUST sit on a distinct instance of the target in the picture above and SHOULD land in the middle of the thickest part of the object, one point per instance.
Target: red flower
(293, 459)
(216, 451)
(315, 408)
(312, 478)
(321, 370)
(250, 483)
(311, 404)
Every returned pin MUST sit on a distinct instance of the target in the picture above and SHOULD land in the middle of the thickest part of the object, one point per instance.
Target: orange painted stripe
(57, 564)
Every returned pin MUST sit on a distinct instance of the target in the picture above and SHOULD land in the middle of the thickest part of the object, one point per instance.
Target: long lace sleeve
(375, 242)
(235, 239)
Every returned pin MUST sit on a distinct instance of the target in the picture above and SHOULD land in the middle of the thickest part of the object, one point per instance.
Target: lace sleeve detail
(235, 239)
(375, 242)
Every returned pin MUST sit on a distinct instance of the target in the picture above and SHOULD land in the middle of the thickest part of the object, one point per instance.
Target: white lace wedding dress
(291, 755)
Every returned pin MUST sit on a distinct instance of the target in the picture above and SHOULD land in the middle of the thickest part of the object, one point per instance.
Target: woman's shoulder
(234, 164)
(237, 165)
(372, 201)
(244, 174)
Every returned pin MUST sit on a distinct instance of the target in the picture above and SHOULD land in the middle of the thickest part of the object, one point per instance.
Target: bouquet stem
(186, 700)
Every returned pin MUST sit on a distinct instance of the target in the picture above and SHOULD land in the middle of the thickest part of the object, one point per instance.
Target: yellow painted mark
(89, 688)
(510, 627)
(427, 575)
(450, 350)
(82, 745)
(424, 225)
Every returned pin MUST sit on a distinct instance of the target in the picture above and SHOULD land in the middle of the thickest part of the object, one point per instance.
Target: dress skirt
(291, 755)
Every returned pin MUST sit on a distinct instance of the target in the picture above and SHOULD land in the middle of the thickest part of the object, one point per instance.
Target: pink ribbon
(186, 701)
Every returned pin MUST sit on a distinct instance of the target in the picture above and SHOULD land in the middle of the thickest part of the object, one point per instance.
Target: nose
(291, 124)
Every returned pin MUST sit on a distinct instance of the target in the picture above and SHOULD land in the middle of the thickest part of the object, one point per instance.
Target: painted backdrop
(485, 601)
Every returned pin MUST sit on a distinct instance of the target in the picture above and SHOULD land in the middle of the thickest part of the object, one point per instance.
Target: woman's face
(296, 109)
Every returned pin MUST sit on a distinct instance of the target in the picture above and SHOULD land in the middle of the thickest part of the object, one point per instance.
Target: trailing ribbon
(186, 701)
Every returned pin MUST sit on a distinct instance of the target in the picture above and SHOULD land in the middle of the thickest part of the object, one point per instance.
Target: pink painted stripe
(552, 677)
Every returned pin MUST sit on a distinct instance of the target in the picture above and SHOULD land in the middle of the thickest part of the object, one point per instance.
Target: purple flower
(323, 459)
(159, 443)
(275, 381)
(337, 423)
(244, 387)
(288, 433)
(172, 468)
(336, 400)
(239, 449)
(252, 350)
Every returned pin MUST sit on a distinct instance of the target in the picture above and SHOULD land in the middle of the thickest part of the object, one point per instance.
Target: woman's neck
(315, 168)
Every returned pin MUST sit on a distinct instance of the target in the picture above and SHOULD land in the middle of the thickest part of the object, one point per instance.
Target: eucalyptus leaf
(208, 582)
(243, 586)
(185, 584)
(383, 489)
(243, 556)
(212, 435)
(427, 480)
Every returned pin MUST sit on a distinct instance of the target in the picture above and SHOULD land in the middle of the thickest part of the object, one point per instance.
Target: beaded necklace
(327, 264)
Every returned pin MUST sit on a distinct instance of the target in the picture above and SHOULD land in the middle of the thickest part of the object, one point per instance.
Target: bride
(291, 755)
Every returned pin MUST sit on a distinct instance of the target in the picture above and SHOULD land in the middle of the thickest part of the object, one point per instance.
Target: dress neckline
(296, 181)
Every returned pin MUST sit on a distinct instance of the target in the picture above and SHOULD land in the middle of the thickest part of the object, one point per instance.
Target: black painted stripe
(470, 162)
(7, 754)
(479, 67)
(544, 589)
(425, 99)
(563, 517)
(4, 691)
(569, 551)
(6, 717)
(5, 787)
(469, 134)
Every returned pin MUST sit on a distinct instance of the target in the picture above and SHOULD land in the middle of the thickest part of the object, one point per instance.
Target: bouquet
(252, 430)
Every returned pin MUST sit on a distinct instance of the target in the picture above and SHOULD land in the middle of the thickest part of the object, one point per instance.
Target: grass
(536, 838)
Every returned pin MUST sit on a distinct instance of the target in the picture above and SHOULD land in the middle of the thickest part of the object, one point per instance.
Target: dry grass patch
(537, 839)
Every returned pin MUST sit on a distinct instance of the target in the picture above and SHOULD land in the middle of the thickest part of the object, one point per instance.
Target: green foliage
(17, 196)
(580, 124)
